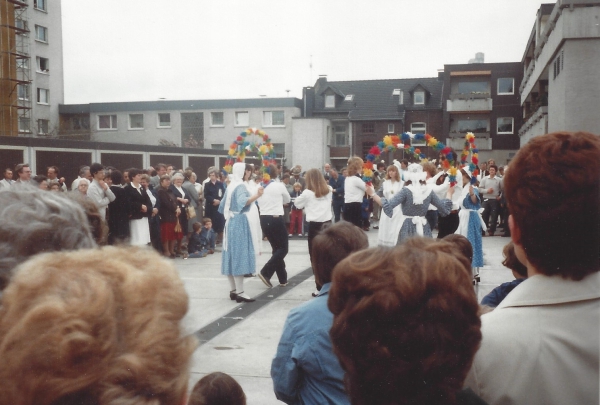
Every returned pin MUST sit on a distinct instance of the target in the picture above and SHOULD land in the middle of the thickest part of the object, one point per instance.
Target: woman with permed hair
(406, 324)
(354, 190)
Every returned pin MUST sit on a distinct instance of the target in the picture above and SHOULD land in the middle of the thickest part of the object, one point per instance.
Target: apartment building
(32, 85)
(560, 89)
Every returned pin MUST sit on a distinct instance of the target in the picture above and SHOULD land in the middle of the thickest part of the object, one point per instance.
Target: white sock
(239, 286)
(231, 283)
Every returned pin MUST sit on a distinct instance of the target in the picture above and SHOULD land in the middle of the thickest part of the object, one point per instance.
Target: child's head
(297, 187)
(462, 243)
(207, 223)
(197, 227)
(512, 262)
(217, 388)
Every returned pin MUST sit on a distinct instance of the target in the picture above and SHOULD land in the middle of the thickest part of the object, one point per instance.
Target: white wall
(309, 143)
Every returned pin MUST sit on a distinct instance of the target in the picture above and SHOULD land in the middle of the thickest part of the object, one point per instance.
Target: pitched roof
(374, 99)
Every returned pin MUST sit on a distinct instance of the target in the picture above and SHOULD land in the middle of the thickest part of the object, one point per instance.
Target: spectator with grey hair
(23, 172)
(34, 221)
(84, 173)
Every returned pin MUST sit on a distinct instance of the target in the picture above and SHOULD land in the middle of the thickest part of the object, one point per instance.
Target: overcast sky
(134, 50)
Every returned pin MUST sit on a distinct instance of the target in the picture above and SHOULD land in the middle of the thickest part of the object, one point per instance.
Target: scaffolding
(15, 69)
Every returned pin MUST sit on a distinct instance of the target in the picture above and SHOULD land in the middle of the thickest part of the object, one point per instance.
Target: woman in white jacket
(316, 202)
(389, 228)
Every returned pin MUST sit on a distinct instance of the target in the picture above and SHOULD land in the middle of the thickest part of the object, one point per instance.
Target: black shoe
(243, 299)
(248, 275)
(264, 280)
(232, 296)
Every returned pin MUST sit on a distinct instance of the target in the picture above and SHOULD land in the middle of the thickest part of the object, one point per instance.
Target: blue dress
(473, 230)
(239, 258)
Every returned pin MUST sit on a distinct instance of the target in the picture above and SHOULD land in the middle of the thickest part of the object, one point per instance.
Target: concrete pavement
(241, 339)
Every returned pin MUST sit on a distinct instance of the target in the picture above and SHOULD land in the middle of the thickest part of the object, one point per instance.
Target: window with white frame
(41, 33)
(330, 101)
(43, 126)
(40, 5)
(279, 149)
(419, 98)
(242, 118)
(23, 91)
(218, 146)
(506, 85)
(217, 119)
(107, 122)
(136, 121)
(418, 128)
(164, 120)
(390, 128)
(349, 97)
(43, 64)
(504, 125)
(274, 118)
(24, 124)
(340, 135)
(43, 96)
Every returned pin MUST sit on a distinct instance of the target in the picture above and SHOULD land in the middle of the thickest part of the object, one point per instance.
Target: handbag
(190, 212)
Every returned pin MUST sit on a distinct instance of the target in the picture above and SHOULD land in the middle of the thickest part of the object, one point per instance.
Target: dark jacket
(338, 186)
(136, 200)
(167, 205)
(118, 216)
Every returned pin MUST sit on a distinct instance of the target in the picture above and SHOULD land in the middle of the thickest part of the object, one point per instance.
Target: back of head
(406, 324)
(332, 245)
(217, 389)
(354, 165)
(315, 181)
(34, 221)
(97, 326)
(553, 194)
(462, 244)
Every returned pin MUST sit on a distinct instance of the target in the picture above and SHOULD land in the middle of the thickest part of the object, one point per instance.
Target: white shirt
(273, 198)
(354, 189)
(100, 196)
(316, 209)
(441, 190)
(541, 345)
(6, 183)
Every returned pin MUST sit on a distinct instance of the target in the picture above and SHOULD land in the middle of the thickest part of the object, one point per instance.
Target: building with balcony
(481, 98)
(346, 118)
(560, 89)
(31, 82)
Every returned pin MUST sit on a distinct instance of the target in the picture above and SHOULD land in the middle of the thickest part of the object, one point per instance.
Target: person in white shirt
(490, 188)
(98, 191)
(354, 191)
(540, 345)
(273, 227)
(316, 202)
(7, 181)
(53, 173)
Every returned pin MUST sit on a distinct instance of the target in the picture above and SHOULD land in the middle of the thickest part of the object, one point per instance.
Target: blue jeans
(197, 255)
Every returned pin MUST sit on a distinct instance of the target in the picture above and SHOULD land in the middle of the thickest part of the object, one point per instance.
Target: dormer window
(349, 97)
(400, 94)
(330, 101)
(419, 98)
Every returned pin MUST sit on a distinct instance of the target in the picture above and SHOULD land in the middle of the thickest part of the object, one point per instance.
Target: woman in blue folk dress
(470, 221)
(238, 256)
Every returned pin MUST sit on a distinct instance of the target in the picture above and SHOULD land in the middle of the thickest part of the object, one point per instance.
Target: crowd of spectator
(81, 322)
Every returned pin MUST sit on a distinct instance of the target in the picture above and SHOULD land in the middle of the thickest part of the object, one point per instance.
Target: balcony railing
(478, 103)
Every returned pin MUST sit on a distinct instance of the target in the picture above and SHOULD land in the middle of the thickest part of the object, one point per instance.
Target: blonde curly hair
(99, 326)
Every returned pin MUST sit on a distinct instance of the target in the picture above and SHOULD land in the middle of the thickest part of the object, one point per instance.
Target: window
(216, 119)
(418, 128)
(21, 24)
(506, 85)
(340, 138)
(419, 97)
(273, 118)
(473, 87)
(107, 122)
(559, 64)
(192, 130)
(475, 126)
(505, 125)
(22, 63)
(390, 128)
(24, 124)
(279, 149)
(218, 146)
(43, 64)
(23, 91)
(396, 92)
(242, 118)
(349, 97)
(164, 120)
(368, 128)
(43, 96)
(330, 101)
(40, 5)
(41, 33)
(136, 121)
(43, 126)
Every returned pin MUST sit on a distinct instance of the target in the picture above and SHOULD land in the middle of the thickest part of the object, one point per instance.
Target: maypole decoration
(470, 146)
(250, 140)
(391, 143)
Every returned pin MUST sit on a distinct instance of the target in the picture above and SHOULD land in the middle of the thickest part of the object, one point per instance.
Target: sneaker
(264, 280)
(283, 285)
(376, 227)
(300, 235)
(290, 235)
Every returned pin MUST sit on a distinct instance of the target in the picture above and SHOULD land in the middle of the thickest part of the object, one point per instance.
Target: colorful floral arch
(470, 148)
(251, 140)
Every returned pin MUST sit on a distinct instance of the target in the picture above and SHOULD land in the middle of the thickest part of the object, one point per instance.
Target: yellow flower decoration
(266, 177)
(387, 140)
(368, 173)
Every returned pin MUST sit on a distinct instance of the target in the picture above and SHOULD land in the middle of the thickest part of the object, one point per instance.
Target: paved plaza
(241, 339)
